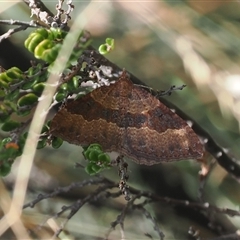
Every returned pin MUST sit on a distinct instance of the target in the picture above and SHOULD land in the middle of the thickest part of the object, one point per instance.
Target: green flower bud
(89, 169)
(39, 87)
(60, 96)
(27, 100)
(93, 155)
(42, 143)
(104, 158)
(57, 142)
(96, 168)
(14, 73)
(41, 47)
(34, 42)
(4, 77)
(5, 169)
(10, 125)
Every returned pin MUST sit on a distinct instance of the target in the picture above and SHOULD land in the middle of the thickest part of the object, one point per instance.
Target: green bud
(93, 155)
(43, 32)
(5, 168)
(73, 84)
(110, 42)
(89, 169)
(10, 125)
(107, 47)
(95, 146)
(4, 77)
(39, 87)
(29, 39)
(64, 87)
(27, 100)
(3, 84)
(14, 73)
(96, 168)
(57, 142)
(103, 49)
(34, 42)
(42, 143)
(50, 55)
(60, 96)
(41, 47)
(104, 158)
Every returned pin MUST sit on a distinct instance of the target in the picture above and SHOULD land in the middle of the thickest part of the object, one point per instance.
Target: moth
(127, 119)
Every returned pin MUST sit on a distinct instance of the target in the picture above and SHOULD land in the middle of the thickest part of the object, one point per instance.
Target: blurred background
(163, 43)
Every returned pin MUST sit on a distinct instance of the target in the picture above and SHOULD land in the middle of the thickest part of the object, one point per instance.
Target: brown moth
(127, 119)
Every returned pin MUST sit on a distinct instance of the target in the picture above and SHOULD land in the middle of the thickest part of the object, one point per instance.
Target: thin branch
(161, 93)
(153, 220)
(94, 196)
(152, 197)
(19, 23)
(59, 190)
(103, 193)
(121, 217)
(10, 32)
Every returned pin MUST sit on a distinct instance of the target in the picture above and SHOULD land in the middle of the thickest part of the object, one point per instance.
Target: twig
(120, 218)
(96, 195)
(103, 193)
(152, 197)
(153, 220)
(123, 173)
(19, 23)
(10, 32)
(161, 93)
(59, 190)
